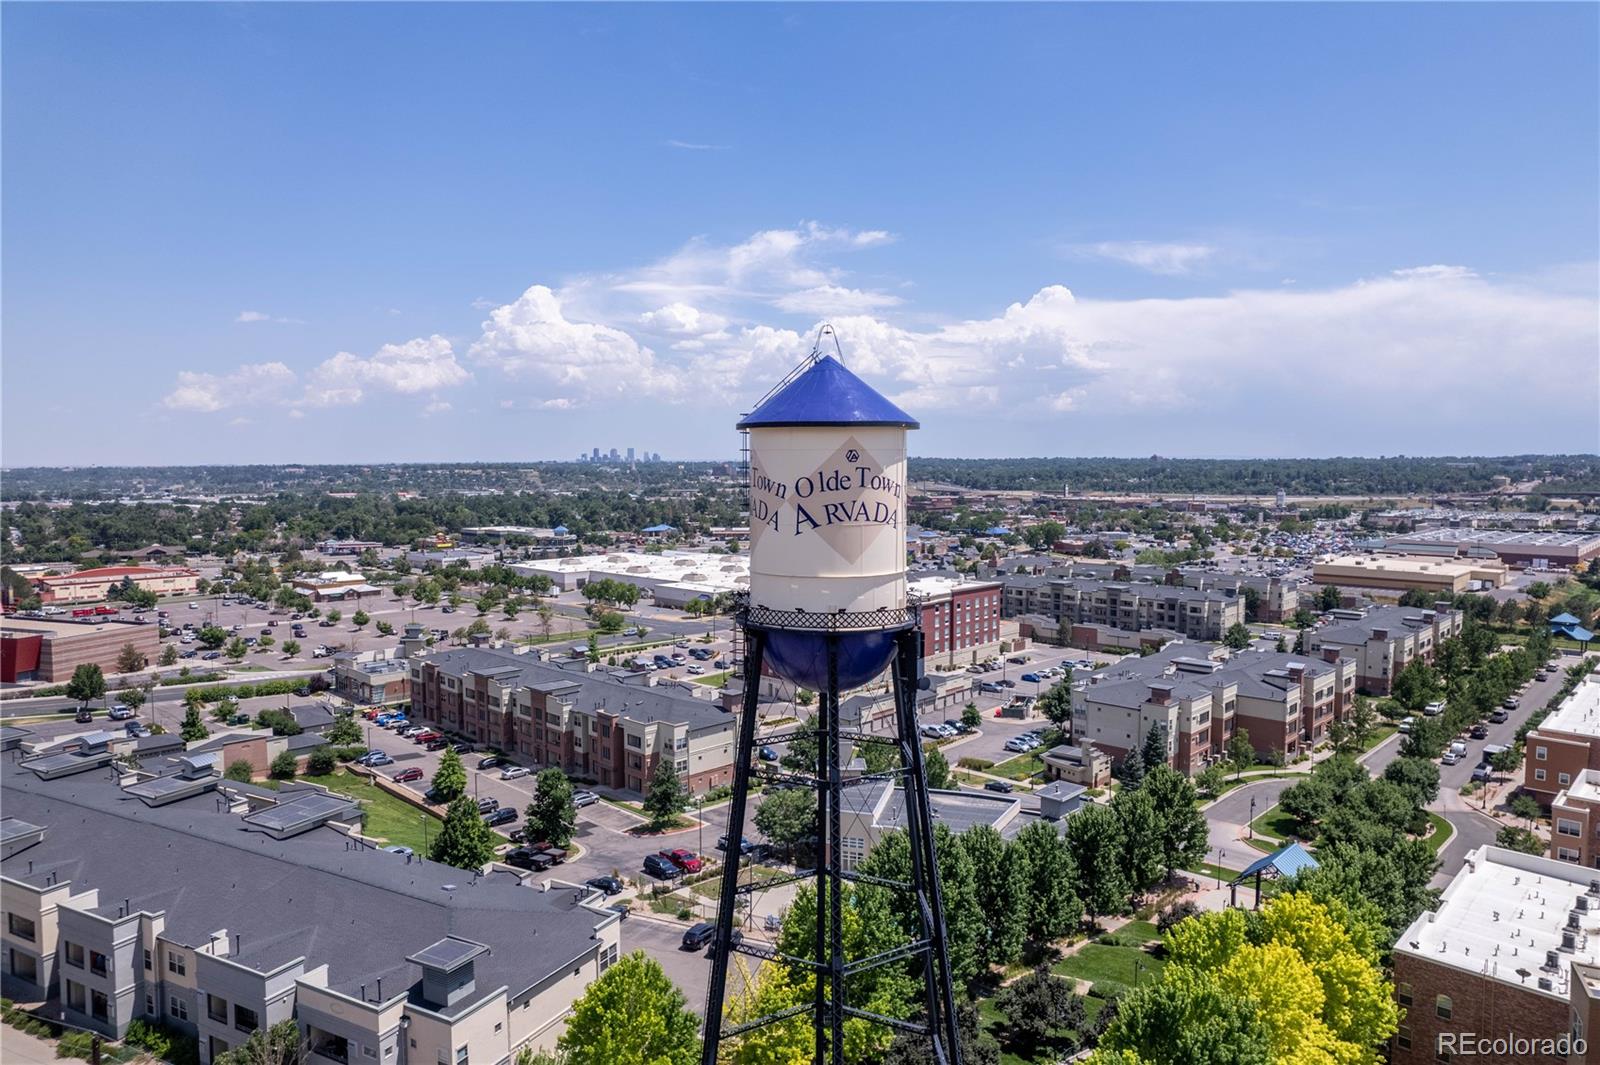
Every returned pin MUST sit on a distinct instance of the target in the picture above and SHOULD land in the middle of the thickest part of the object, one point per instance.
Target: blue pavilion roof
(827, 394)
(1286, 861)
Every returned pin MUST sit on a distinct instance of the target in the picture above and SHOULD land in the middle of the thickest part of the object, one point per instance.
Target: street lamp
(1252, 825)
(1222, 863)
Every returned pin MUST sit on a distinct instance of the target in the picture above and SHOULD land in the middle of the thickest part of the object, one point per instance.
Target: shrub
(283, 766)
(684, 913)
(1177, 912)
(980, 764)
(239, 770)
(717, 794)
(76, 1045)
(349, 754)
(321, 762)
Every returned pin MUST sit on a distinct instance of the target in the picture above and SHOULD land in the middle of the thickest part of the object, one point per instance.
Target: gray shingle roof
(358, 910)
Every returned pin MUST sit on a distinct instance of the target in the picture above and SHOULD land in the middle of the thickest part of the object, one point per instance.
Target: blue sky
(298, 233)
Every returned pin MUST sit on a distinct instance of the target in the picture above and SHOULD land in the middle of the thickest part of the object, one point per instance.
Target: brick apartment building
(1575, 821)
(49, 651)
(268, 906)
(1566, 743)
(93, 585)
(1383, 640)
(960, 619)
(1285, 702)
(1192, 612)
(1509, 954)
(602, 725)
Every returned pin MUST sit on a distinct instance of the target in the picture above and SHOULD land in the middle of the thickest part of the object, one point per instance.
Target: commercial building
(1447, 576)
(1566, 743)
(960, 618)
(609, 727)
(334, 585)
(871, 811)
(93, 585)
(549, 539)
(449, 556)
(1510, 955)
(1384, 640)
(347, 547)
(1535, 550)
(223, 908)
(38, 650)
(671, 578)
(1195, 613)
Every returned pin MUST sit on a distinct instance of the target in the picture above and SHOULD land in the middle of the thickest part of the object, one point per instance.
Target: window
(1441, 1006)
(245, 1019)
(74, 954)
(217, 1009)
(20, 927)
(179, 1009)
(1402, 994)
(1566, 827)
(461, 1055)
(498, 1026)
(368, 1052)
(76, 1000)
(635, 742)
(147, 965)
(177, 963)
(1538, 774)
(1563, 778)
(608, 957)
(1566, 854)
(1402, 1038)
(1541, 753)
(97, 963)
(97, 1005)
(149, 1004)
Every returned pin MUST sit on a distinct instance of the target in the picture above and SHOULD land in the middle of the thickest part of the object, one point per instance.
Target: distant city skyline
(233, 234)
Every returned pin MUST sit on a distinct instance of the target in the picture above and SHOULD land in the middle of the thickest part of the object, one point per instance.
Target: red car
(427, 737)
(407, 775)
(688, 861)
(371, 712)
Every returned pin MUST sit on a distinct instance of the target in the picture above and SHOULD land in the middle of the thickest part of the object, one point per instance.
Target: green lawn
(714, 680)
(1442, 831)
(1379, 734)
(388, 818)
(1021, 767)
(1211, 869)
(994, 1022)
(1277, 823)
(1111, 968)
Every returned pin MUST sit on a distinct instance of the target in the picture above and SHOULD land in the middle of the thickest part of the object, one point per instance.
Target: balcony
(330, 1047)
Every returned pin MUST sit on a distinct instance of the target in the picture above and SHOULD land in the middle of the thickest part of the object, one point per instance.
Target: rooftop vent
(1544, 983)
(1552, 960)
(1569, 941)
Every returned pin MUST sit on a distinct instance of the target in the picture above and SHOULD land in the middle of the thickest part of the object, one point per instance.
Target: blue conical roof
(827, 394)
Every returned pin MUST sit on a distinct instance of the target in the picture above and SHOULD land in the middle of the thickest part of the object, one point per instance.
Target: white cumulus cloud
(424, 364)
(251, 383)
(1154, 256)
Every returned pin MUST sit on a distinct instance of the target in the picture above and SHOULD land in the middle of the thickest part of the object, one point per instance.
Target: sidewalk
(23, 1049)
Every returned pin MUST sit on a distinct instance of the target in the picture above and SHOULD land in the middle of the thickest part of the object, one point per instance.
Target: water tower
(827, 611)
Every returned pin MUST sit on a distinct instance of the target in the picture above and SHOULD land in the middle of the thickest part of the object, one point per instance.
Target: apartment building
(1575, 821)
(93, 585)
(222, 908)
(1383, 640)
(1510, 957)
(1566, 743)
(1115, 716)
(1195, 613)
(960, 618)
(603, 725)
(1287, 703)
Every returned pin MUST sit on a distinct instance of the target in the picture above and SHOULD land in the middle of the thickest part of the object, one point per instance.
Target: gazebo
(1570, 627)
(1286, 861)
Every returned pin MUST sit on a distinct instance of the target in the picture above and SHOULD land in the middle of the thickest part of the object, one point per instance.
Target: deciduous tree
(666, 797)
(464, 840)
(1094, 837)
(632, 1015)
(450, 779)
(551, 815)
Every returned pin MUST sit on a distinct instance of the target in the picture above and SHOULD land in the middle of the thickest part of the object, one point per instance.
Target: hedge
(980, 764)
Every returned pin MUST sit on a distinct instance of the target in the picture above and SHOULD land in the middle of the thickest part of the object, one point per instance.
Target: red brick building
(960, 620)
(93, 585)
(51, 650)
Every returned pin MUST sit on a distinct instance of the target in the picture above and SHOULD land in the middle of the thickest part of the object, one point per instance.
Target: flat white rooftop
(1505, 916)
(724, 573)
(1579, 713)
(1585, 788)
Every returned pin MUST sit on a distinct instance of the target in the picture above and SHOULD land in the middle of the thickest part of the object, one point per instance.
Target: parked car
(503, 816)
(1450, 758)
(1479, 732)
(609, 884)
(1481, 774)
(428, 735)
(1408, 723)
(406, 776)
(491, 762)
(686, 860)
(1499, 717)
(702, 934)
(512, 772)
(745, 846)
(435, 745)
(395, 848)
(461, 748)
(1511, 702)
(1002, 786)
(526, 858)
(768, 754)
(488, 803)
(990, 687)
(580, 799)
(1032, 678)
(120, 712)
(1434, 709)
(931, 731)
(211, 656)
(375, 759)
(137, 729)
(661, 868)
(621, 909)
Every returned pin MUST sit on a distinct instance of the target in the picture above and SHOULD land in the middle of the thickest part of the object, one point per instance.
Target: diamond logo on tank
(848, 503)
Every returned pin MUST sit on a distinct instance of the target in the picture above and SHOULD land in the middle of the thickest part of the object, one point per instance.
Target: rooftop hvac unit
(1583, 903)
(1594, 888)
(1569, 941)
(1552, 960)
(1544, 983)
(1572, 920)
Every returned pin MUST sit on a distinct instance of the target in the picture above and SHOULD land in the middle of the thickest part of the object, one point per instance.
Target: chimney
(1380, 634)
(1330, 654)
(1160, 694)
(1297, 670)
